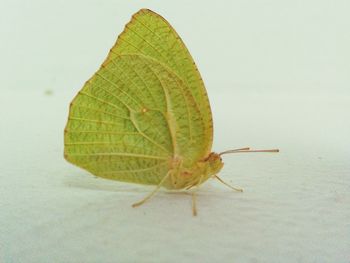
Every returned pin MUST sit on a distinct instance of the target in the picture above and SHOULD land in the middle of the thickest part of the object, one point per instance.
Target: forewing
(151, 35)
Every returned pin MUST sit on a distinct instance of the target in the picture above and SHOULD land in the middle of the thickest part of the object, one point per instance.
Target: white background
(277, 74)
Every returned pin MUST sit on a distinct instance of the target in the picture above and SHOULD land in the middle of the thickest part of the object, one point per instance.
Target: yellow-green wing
(151, 35)
(132, 117)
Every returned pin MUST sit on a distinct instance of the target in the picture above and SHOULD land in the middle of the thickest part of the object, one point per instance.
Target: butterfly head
(214, 163)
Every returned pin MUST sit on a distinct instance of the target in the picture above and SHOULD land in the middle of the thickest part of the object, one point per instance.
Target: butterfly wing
(138, 111)
(151, 35)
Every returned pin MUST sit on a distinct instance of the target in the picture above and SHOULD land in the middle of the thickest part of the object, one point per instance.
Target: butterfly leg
(149, 196)
(194, 204)
(228, 185)
(194, 196)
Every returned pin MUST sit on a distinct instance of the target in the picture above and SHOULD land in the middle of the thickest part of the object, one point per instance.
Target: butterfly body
(181, 177)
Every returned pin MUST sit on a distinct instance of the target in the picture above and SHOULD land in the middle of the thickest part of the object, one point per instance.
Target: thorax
(185, 176)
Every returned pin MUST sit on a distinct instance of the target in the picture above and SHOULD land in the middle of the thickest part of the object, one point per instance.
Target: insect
(144, 117)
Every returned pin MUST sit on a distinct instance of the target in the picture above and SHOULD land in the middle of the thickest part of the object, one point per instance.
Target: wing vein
(143, 81)
(147, 137)
(100, 100)
(90, 120)
(137, 170)
(169, 118)
(113, 84)
(103, 132)
(100, 111)
(149, 43)
(144, 156)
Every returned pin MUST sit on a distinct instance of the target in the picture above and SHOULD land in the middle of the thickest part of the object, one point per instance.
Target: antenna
(247, 150)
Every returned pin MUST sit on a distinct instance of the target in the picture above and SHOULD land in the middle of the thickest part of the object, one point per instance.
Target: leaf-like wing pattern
(143, 107)
(119, 132)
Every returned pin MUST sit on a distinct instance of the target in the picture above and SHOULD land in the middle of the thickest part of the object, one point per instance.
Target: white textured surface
(295, 207)
(264, 94)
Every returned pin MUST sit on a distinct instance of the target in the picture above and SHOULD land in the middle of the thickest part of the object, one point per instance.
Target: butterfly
(144, 117)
